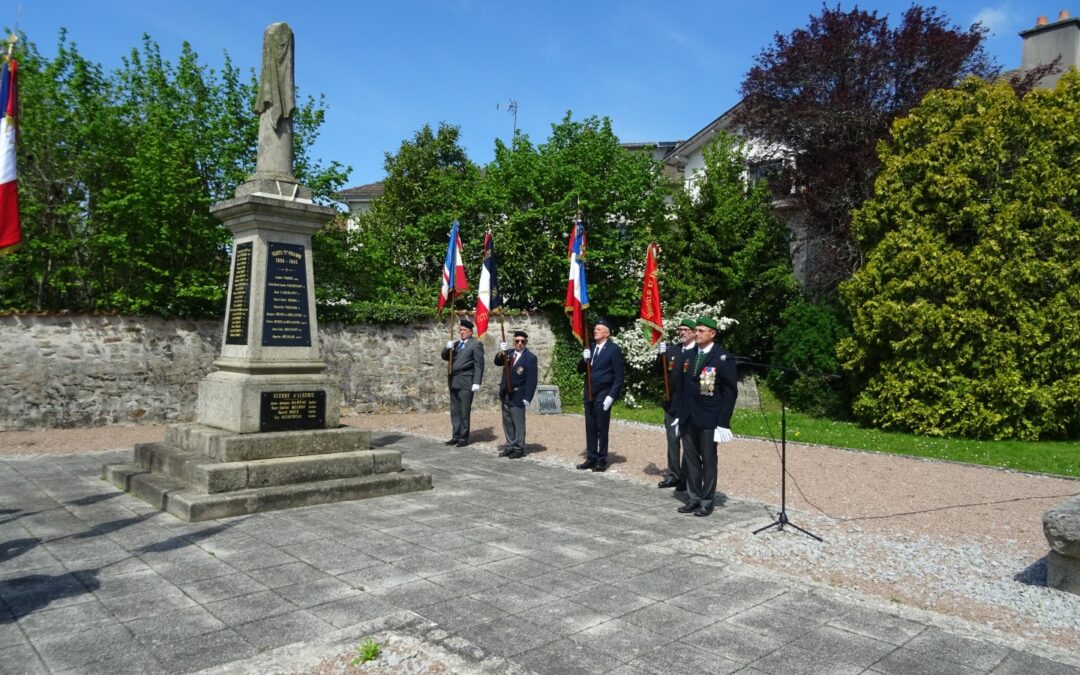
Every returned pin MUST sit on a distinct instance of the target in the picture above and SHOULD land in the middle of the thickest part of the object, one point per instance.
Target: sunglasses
(519, 339)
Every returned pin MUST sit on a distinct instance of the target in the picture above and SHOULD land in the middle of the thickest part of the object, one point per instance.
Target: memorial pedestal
(267, 432)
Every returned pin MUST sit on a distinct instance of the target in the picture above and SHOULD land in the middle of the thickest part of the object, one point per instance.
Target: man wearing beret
(466, 372)
(705, 414)
(606, 385)
(517, 387)
(670, 358)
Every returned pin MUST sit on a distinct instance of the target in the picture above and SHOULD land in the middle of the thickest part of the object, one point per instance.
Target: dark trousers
(676, 465)
(597, 421)
(700, 465)
(460, 412)
(513, 419)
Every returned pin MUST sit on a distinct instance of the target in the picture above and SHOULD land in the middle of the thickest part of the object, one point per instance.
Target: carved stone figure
(275, 104)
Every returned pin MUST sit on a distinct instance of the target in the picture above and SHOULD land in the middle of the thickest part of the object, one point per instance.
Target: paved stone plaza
(505, 567)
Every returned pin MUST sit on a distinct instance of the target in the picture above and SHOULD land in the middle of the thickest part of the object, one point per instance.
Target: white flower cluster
(639, 352)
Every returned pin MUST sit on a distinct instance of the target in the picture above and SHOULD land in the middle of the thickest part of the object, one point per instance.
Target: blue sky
(661, 70)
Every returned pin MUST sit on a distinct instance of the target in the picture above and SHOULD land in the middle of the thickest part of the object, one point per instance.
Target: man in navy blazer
(710, 386)
(606, 373)
(517, 386)
(463, 380)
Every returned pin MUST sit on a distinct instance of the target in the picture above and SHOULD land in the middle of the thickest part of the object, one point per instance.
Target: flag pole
(506, 359)
(667, 383)
(450, 326)
(588, 362)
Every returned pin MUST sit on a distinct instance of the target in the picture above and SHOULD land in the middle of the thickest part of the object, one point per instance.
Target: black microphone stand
(782, 518)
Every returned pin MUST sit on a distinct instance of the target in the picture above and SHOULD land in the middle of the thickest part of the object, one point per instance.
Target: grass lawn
(1053, 457)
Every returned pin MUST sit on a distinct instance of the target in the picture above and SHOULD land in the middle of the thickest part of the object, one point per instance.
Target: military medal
(708, 380)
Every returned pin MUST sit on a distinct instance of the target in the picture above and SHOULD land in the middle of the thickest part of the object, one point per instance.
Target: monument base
(203, 473)
(246, 404)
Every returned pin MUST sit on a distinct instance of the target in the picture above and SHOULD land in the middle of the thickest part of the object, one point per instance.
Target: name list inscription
(236, 323)
(292, 410)
(285, 312)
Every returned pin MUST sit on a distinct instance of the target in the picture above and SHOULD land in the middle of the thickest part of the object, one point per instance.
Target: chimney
(1048, 41)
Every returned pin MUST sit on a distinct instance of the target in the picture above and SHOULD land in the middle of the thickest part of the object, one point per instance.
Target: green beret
(706, 321)
(689, 323)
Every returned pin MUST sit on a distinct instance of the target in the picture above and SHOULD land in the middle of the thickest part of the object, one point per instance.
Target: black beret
(521, 334)
(465, 323)
(603, 322)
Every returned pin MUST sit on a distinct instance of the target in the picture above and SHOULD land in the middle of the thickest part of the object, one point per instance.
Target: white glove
(476, 387)
(586, 354)
(525, 402)
(661, 348)
(722, 435)
(607, 402)
(449, 344)
(675, 426)
(503, 347)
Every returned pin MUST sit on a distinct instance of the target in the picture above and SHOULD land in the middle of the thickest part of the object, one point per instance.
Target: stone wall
(78, 370)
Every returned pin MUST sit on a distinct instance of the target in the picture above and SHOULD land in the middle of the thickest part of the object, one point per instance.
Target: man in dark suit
(705, 409)
(670, 358)
(606, 375)
(518, 385)
(466, 372)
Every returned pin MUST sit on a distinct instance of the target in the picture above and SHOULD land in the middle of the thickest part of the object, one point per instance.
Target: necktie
(460, 344)
(701, 356)
(516, 356)
(597, 352)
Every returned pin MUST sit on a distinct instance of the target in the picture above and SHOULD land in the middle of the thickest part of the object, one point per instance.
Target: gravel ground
(956, 539)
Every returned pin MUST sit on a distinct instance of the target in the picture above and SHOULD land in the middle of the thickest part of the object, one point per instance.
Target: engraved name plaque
(236, 322)
(285, 312)
(292, 410)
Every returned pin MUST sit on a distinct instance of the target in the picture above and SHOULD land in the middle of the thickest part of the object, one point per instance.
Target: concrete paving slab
(510, 567)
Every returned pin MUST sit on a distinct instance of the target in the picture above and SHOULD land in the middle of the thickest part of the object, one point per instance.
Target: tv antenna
(511, 108)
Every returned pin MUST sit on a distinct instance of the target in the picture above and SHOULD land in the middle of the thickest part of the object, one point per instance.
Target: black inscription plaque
(236, 321)
(292, 410)
(285, 312)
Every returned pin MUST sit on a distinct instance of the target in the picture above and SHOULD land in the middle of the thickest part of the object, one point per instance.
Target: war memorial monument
(267, 432)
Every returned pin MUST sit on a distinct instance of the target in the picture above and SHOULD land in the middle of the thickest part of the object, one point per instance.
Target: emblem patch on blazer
(520, 370)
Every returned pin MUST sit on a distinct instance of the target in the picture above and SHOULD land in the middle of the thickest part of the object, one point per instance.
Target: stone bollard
(1061, 525)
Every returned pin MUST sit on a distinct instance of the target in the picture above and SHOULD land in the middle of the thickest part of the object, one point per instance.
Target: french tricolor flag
(577, 295)
(453, 271)
(487, 295)
(10, 232)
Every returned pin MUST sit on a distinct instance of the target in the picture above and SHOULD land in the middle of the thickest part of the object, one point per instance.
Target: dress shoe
(602, 466)
(702, 512)
(690, 508)
(505, 452)
(517, 454)
(587, 464)
(462, 444)
(452, 441)
(667, 483)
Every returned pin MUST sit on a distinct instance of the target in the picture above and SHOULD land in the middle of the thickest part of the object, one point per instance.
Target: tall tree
(731, 247)
(966, 316)
(827, 94)
(531, 195)
(430, 183)
(120, 171)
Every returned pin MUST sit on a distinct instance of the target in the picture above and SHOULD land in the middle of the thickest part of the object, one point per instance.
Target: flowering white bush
(640, 353)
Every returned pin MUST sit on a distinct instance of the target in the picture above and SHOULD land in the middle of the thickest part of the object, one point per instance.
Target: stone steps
(208, 475)
(188, 504)
(201, 473)
(226, 446)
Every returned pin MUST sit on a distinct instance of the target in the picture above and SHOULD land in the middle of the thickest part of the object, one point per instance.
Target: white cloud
(997, 20)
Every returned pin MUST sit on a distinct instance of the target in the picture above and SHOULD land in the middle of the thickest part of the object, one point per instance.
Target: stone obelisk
(266, 434)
